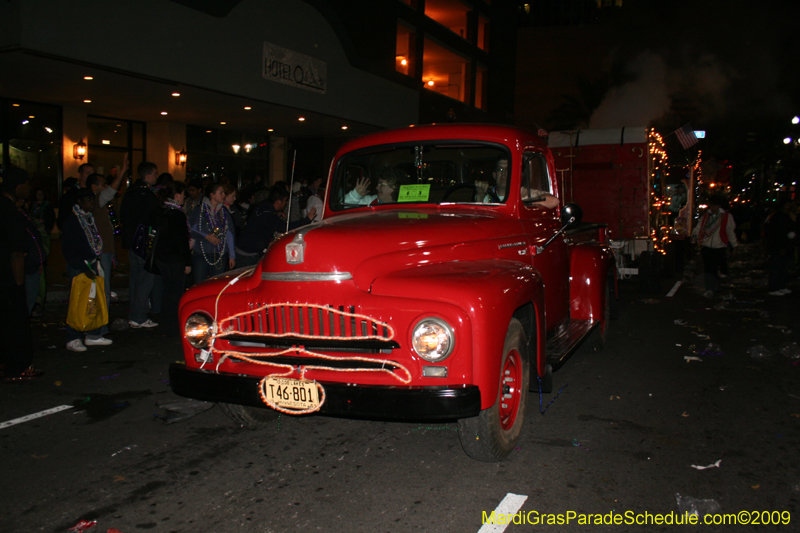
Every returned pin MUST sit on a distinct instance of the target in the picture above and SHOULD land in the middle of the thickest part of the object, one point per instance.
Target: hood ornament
(295, 250)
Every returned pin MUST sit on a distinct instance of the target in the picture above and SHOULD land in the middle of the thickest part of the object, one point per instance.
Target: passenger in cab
(388, 179)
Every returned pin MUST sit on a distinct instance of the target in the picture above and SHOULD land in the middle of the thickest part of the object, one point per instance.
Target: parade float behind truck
(446, 303)
(618, 176)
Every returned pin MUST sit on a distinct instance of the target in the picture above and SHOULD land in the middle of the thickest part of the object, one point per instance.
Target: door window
(535, 179)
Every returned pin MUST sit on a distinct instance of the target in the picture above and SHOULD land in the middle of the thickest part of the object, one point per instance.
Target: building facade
(241, 87)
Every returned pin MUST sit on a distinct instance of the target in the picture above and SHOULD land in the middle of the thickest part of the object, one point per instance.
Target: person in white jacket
(715, 234)
(387, 184)
(314, 200)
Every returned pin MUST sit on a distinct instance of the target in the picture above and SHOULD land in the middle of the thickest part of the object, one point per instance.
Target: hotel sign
(291, 68)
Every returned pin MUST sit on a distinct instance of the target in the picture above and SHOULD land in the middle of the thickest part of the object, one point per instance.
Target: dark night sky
(730, 67)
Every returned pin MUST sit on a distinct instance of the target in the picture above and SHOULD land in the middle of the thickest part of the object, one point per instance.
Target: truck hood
(366, 245)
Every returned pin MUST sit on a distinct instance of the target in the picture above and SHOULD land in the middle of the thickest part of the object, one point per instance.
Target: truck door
(539, 224)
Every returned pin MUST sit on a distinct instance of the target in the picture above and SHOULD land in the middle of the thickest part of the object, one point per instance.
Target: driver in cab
(497, 194)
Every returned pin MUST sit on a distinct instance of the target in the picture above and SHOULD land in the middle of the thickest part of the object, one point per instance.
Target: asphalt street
(621, 435)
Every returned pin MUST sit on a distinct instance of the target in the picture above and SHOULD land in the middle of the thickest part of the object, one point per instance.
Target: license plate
(291, 393)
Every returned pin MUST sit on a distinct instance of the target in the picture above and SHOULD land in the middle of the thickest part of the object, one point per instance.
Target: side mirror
(571, 214)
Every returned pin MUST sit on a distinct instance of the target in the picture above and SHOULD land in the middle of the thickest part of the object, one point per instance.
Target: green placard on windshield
(414, 193)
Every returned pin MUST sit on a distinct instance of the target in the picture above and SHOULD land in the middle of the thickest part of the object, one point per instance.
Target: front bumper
(354, 401)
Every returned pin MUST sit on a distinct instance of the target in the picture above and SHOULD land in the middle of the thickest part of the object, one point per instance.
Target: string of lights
(660, 229)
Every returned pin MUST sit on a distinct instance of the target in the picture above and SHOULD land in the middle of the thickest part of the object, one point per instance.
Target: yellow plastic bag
(87, 303)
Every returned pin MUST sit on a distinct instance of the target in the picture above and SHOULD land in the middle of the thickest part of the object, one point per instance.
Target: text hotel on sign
(291, 68)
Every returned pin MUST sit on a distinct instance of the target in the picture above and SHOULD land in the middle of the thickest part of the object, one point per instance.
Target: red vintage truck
(447, 295)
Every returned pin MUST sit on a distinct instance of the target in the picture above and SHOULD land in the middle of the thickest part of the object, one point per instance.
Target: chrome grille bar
(307, 321)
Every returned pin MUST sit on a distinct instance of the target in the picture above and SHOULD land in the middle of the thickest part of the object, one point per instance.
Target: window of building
(481, 79)
(483, 34)
(451, 14)
(110, 138)
(226, 156)
(31, 139)
(107, 132)
(445, 72)
(405, 50)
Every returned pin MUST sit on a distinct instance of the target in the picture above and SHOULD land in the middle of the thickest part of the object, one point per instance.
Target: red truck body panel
(607, 172)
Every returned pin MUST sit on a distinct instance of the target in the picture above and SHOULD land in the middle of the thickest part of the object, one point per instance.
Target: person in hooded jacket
(781, 238)
(17, 352)
(82, 246)
(139, 201)
(172, 254)
(264, 225)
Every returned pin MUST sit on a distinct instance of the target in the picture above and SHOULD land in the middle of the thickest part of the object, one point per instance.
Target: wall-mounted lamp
(236, 148)
(248, 147)
(79, 150)
(180, 157)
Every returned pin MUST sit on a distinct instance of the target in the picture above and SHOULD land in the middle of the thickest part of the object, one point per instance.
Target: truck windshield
(428, 173)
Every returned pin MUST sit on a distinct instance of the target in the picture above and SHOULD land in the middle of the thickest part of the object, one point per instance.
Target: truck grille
(305, 321)
(302, 332)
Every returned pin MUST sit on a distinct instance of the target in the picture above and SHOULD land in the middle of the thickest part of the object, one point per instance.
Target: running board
(561, 347)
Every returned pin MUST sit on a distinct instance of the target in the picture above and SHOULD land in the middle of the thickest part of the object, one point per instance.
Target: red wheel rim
(510, 390)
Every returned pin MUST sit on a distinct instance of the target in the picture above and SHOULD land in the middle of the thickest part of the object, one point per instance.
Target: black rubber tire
(491, 436)
(247, 416)
(601, 332)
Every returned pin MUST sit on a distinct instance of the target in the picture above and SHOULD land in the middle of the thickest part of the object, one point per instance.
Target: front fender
(489, 291)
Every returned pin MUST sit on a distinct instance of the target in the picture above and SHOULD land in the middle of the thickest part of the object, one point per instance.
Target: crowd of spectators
(192, 231)
(203, 229)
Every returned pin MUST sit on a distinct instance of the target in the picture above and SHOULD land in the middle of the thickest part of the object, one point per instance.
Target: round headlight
(433, 339)
(198, 330)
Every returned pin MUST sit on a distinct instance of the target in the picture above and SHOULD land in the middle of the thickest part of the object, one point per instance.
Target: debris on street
(714, 465)
(759, 352)
(695, 507)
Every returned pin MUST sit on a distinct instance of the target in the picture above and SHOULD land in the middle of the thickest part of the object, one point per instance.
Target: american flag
(686, 136)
